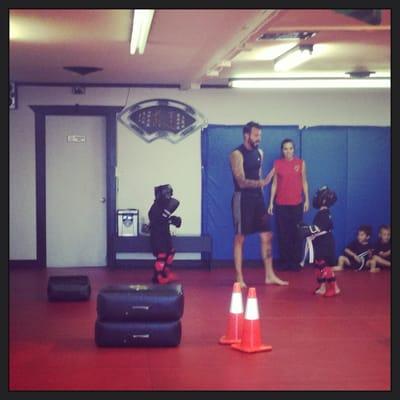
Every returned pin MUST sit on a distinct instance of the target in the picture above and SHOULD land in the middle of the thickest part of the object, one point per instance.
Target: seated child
(160, 217)
(320, 240)
(381, 254)
(356, 252)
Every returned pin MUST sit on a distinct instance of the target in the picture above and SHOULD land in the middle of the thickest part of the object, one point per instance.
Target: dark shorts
(249, 213)
(355, 264)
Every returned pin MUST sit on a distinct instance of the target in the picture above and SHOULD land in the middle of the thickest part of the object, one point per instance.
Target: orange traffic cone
(251, 336)
(235, 319)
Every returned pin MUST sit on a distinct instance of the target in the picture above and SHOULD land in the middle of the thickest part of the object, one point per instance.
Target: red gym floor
(340, 343)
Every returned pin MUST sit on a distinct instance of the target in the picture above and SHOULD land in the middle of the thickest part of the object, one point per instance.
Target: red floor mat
(340, 343)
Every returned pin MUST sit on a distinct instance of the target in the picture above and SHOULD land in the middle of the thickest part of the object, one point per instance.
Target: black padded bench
(183, 244)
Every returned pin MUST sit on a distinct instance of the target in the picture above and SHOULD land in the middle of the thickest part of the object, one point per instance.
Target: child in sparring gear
(320, 242)
(160, 217)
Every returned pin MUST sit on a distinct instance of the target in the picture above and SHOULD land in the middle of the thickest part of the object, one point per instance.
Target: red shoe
(332, 290)
(170, 275)
(331, 287)
(160, 279)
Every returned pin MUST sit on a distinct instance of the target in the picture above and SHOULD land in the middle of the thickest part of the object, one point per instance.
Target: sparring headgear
(163, 192)
(324, 197)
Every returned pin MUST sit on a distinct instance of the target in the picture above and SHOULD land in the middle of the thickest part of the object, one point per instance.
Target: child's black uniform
(384, 247)
(160, 217)
(324, 245)
(160, 235)
(360, 249)
(320, 239)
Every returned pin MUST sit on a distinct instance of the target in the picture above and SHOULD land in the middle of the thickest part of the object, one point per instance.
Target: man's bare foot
(337, 268)
(275, 281)
(241, 281)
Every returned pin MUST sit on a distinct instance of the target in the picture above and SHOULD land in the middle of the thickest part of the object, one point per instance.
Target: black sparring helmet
(324, 197)
(163, 192)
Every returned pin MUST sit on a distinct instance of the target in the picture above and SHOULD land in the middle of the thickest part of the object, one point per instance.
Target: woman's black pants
(290, 243)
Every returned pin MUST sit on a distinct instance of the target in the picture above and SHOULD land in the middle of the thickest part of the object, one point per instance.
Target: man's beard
(254, 145)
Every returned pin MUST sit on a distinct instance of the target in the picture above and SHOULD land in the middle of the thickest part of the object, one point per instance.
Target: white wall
(177, 164)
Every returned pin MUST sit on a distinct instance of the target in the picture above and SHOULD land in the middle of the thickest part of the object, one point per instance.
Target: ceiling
(190, 47)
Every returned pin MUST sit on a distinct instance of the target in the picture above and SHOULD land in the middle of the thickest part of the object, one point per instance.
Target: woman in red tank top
(288, 200)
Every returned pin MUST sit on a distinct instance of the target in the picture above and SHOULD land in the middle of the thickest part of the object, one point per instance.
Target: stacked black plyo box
(139, 315)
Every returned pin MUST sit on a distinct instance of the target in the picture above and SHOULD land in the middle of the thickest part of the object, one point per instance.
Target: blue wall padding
(217, 143)
(324, 150)
(353, 161)
(368, 179)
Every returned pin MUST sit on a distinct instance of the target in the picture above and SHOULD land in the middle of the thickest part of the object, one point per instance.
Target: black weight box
(68, 288)
(138, 334)
(140, 302)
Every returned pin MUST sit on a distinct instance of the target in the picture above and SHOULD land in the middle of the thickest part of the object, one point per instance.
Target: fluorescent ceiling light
(293, 57)
(310, 83)
(303, 75)
(16, 29)
(140, 29)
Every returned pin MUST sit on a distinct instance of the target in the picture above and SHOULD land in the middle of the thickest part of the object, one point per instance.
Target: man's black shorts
(249, 213)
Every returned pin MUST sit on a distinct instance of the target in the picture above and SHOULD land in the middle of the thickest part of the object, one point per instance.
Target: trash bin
(128, 222)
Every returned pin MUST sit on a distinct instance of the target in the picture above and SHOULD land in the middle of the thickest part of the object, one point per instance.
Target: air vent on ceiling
(369, 16)
(286, 35)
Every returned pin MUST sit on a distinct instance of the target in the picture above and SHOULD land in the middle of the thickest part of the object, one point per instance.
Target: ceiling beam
(223, 56)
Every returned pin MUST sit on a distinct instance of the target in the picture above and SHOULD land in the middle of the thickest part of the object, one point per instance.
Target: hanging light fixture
(141, 24)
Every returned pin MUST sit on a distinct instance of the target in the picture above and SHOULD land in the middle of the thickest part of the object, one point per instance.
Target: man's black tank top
(251, 166)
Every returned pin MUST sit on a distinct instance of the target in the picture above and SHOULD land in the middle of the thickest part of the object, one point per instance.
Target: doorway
(45, 119)
(75, 191)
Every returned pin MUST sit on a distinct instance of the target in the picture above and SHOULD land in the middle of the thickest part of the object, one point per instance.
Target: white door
(76, 234)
